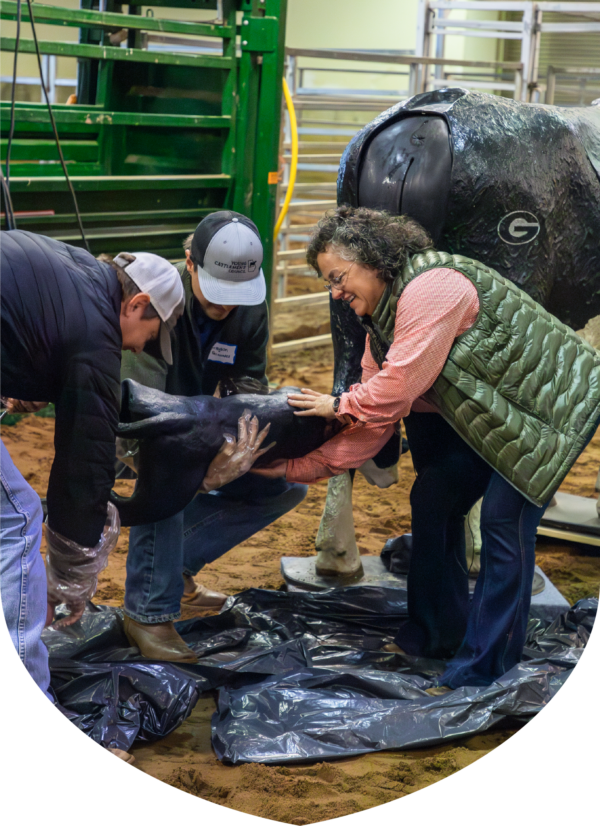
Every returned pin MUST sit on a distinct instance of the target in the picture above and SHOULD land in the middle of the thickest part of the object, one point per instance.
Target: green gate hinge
(259, 34)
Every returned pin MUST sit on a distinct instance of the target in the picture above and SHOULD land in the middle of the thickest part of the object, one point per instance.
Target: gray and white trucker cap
(157, 277)
(228, 253)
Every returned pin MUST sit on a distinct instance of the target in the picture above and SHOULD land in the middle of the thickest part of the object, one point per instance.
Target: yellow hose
(294, 164)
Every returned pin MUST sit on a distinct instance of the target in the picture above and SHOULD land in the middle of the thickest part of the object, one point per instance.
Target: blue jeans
(485, 638)
(207, 528)
(22, 573)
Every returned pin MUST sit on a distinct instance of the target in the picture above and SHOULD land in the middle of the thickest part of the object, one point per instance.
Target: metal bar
(268, 128)
(574, 70)
(300, 206)
(96, 217)
(315, 157)
(534, 91)
(550, 85)
(302, 343)
(474, 33)
(299, 230)
(112, 231)
(569, 8)
(567, 28)
(496, 25)
(332, 70)
(301, 269)
(297, 300)
(285, 254)
(473, 84)
(92, 116)
(323, 91)
(85, 50)
(338, 105)
(526, 50)
(321, 146)
(46, 183)
(480, 5)
(405, 60)
(107, 20)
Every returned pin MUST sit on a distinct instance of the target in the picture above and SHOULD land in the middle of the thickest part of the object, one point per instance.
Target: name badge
(225, 353)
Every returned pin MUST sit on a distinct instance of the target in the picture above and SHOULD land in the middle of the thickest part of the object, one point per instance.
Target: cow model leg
(337, 552)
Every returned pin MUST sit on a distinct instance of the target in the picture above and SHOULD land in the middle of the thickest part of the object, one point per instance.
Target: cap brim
(232, 293)
(165, 343)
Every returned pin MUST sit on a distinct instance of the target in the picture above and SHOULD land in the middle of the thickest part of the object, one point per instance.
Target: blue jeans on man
(213, 523)
(22, 572)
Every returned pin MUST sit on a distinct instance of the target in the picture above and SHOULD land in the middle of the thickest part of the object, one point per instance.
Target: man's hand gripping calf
(236, 457)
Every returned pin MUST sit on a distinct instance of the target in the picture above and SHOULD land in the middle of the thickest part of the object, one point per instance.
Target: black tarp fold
(300, 676)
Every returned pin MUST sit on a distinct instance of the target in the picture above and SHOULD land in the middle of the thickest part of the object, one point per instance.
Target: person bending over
(65, 319)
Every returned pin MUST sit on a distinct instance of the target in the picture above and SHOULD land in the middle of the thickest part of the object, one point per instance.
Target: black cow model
(180, 435)
(514, 185)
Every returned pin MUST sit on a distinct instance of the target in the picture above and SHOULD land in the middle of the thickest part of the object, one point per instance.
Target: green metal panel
(7, 44)
(160, 136)
(111, 21)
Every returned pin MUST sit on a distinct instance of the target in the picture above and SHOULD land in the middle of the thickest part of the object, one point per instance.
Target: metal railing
(323, 137)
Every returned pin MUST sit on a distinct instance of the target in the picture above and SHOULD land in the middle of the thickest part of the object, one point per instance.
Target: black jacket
(195, 372)
(61, 343)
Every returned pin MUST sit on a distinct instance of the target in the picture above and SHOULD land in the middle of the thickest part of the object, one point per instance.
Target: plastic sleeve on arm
(72, 570)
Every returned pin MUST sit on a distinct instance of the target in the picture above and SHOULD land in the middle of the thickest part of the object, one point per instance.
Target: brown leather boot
(201, 596)
(158, 642)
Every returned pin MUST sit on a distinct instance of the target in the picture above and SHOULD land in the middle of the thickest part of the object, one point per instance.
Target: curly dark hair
(375, 239)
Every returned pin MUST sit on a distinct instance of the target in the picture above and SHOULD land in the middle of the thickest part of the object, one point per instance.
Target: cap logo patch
(251, 266)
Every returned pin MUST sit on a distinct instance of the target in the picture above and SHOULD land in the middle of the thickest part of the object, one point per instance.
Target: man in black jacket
(65, 319)
(222, 334)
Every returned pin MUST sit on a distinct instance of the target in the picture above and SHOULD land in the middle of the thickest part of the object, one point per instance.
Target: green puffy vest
(521, 388)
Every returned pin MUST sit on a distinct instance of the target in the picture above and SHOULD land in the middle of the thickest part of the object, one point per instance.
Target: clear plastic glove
(72, 570)
(236, 457)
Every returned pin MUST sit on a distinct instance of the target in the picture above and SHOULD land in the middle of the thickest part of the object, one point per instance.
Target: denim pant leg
(450, 479)
(497, 622)
(154, 584)
(216, 522)
(22, 573)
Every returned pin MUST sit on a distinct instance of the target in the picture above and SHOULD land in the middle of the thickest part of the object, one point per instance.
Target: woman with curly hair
(498, 399)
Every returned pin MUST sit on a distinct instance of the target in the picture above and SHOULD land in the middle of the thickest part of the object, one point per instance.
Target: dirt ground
(308, 793)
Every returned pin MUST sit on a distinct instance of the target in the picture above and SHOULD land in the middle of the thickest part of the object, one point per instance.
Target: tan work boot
(199, 596)
(158, 642)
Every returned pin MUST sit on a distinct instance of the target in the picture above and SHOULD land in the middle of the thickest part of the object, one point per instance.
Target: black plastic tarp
(300, 676)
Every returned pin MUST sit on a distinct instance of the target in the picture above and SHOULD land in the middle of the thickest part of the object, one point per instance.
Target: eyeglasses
(337, 283)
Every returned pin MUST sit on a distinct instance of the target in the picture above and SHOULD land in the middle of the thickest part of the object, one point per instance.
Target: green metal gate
(157, 138)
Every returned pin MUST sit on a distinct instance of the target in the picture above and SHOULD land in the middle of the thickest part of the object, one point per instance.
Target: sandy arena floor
(309, 793)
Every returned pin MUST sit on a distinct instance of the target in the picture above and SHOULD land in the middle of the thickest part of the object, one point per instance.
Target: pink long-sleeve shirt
(433, 310)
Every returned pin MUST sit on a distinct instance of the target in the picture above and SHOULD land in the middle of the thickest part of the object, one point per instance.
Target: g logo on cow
(518, 227)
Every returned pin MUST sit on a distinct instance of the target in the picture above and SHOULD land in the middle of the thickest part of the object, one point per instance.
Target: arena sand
(308, 793)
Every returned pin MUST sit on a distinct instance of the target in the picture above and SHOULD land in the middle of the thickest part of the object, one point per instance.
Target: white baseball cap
(157, 277)
(228, 252)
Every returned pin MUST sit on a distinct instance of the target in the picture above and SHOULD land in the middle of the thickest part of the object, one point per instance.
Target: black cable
(12, 98)
(8, 206)
(53, 122)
